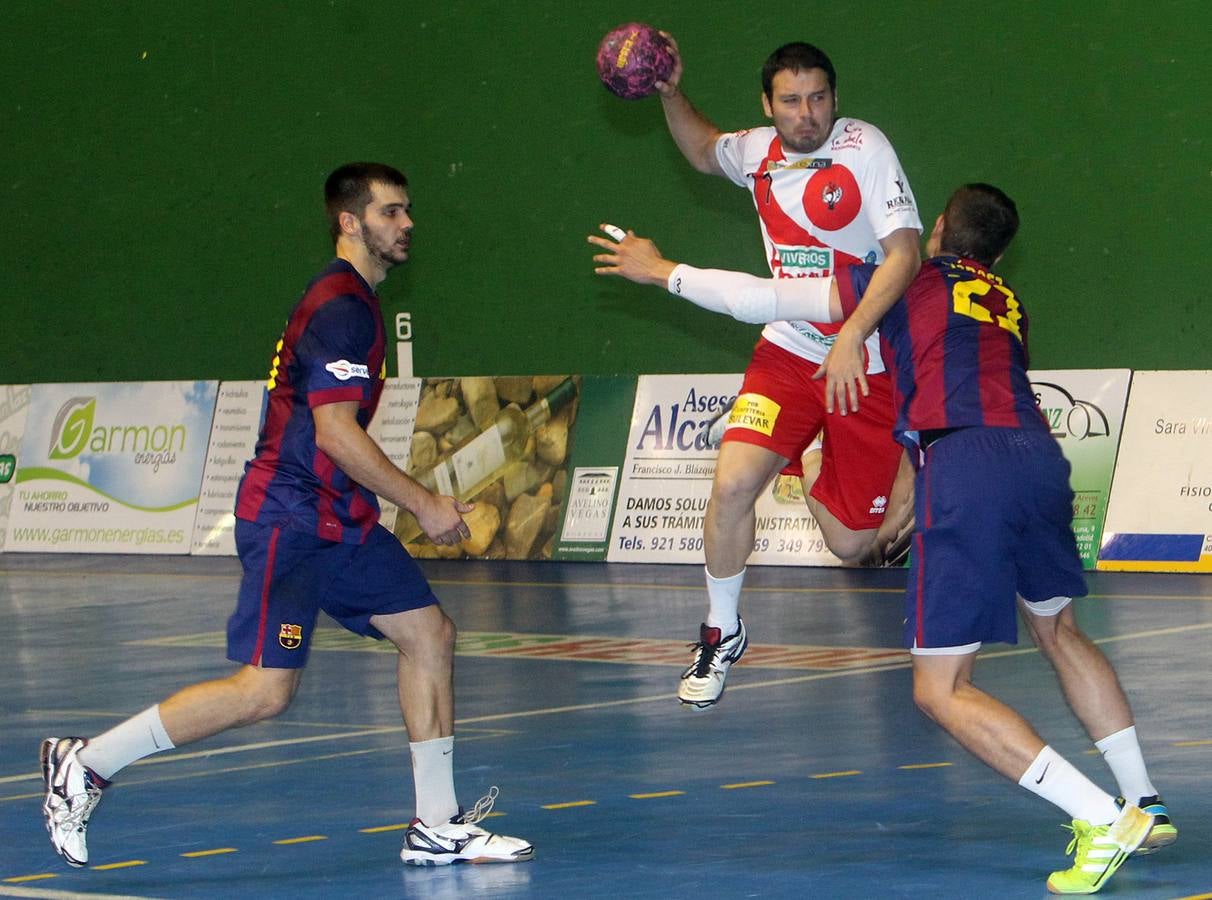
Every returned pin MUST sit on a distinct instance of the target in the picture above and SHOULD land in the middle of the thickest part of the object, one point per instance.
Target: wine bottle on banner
(464, 472)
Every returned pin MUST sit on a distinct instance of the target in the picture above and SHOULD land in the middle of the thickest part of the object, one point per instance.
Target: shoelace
(704, 659)
(76, 816)
(482, 807)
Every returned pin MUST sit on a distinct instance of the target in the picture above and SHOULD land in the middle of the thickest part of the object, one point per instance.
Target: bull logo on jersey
(832, 198)
(290, 636)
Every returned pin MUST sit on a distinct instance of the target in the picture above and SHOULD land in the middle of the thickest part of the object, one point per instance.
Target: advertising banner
(392, 429)
(603, 421)
(504, 444)
(1085, 410)
(14, 404)
(1160, 515)
(666, 482)
(111, 468)
(233, 440)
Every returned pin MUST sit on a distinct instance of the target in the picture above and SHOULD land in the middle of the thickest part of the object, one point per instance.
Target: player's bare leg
(1003, 740)
(1094, 693)
(441, 833)
(249, 695)
(742, 472)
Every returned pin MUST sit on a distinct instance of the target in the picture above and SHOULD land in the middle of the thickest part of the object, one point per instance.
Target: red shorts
(782, 409)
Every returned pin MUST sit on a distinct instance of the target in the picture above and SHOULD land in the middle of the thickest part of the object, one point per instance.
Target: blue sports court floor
(815, 777)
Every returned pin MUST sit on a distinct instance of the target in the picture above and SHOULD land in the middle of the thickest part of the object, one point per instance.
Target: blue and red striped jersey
(956, 345)
(331, 351)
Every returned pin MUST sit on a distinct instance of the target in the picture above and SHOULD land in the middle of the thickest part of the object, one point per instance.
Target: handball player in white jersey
(828, 191)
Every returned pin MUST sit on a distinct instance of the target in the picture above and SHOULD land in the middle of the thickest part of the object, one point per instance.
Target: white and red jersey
(821, 210)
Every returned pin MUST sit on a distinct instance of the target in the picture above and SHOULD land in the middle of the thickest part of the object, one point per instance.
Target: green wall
(163, 161)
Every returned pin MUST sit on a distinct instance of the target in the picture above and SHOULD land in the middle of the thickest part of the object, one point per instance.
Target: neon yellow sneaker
(1164, 833)
(1099, 850)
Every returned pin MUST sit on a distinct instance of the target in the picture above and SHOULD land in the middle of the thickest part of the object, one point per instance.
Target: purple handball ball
(632, 59)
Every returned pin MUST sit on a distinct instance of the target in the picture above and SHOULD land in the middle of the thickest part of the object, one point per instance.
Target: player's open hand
(669, 87)
(441, 519)
(845, 372)
(634, 258)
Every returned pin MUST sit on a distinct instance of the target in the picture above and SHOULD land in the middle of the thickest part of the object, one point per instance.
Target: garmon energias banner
(111, 468)
(1160, 515)
(666, 482)
(1085, 411)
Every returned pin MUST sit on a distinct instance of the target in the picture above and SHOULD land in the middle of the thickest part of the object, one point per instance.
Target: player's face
(386, 224)
(802, 106)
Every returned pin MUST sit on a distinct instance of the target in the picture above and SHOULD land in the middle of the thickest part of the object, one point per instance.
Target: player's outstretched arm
(845, 366)
(346, 443)
(745, 297)
(694, 134)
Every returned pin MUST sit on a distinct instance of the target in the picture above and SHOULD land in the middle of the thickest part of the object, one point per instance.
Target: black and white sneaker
(72, 793)
(703, 682)
(462, 840)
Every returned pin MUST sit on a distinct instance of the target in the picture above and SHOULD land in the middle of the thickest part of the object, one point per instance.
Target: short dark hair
(347, 189)
(979, 222)
(796, 57)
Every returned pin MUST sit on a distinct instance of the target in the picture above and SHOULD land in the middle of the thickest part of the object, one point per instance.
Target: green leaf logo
(73, 425)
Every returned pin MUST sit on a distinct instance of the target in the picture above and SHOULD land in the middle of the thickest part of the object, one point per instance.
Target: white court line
(8, 890)
(602, 585)
(557, 710)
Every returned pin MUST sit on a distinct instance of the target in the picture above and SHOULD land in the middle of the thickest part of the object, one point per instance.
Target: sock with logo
(433, 777)
(1053, 777)
(724, 594)
(1122, 753)
(137, 737)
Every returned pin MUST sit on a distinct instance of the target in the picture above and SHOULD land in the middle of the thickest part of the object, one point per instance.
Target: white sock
(724, 595)
(1122, 753)
(1053, 777)
(137, 737)
(433, 778)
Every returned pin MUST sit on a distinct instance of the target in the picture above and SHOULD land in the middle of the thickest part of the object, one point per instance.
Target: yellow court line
(1197, 897)
(20, 879)
(837, 774)
(570, 804)
(379, 829)
(745, 784)
(306, 839)
(195, 854)
(120, 865)
(925, 765)
(655, 795)
(1204, 743)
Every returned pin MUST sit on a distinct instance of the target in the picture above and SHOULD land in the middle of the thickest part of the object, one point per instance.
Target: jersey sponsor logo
(755, 413)
(811, 162)
(797, 261)
(851, 137)
(343, 370)
(290, 636)
(809, 331)
(832, 198)
(878, 506)
(899, 204)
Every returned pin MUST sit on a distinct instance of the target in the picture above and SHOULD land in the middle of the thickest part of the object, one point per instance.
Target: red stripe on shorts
(269, 574)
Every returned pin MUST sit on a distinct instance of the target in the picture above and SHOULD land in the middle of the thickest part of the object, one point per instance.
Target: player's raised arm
(747, 298)
(694, 134)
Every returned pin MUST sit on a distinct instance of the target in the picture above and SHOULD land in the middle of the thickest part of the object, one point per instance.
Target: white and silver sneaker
(715, 431)
(462, 840)
(71, 796)
(703, 682)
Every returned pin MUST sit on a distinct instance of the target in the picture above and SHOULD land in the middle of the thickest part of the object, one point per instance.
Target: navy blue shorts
(994, 519)
(289, 576)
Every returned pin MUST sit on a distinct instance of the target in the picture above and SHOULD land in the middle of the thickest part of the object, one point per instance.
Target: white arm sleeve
(748, 298)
